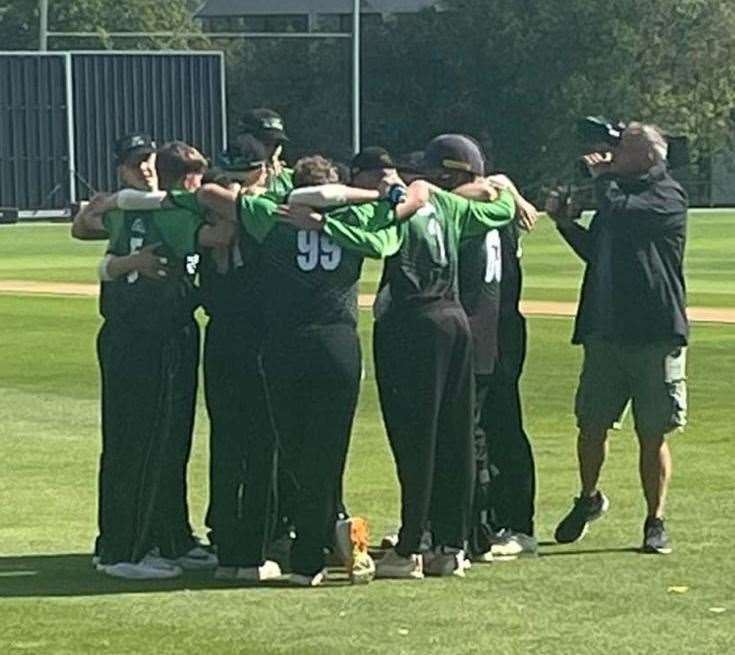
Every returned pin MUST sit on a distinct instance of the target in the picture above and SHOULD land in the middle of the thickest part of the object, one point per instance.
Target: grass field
(599, 596)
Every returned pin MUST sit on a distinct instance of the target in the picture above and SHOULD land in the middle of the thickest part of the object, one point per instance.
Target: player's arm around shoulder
(88, 223)
(369, 229)
(476, 217)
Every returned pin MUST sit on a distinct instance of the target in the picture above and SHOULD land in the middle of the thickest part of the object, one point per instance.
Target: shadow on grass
(588, 551)
(72, 574)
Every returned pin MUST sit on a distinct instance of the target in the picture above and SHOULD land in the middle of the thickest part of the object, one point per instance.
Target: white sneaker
(483, 558)
(445, 561)
(96, 559)
(268, 570)
(351, 546)
(392, 565)
(308, 580)
(139, 571)
(515, 545)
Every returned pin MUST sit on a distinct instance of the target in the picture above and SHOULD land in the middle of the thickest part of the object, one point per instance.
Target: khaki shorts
(653, 376)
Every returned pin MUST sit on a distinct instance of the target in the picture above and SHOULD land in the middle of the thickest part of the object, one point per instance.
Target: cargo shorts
(652, 376)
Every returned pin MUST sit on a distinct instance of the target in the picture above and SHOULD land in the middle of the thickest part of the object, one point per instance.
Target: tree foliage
(514, 73)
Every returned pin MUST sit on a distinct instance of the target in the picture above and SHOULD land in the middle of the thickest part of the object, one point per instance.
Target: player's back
(309, 281)
(424, 271)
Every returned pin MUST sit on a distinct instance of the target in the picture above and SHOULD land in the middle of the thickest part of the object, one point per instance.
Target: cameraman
(631, 321)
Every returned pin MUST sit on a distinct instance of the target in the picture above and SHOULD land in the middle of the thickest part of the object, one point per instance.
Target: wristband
(396, 194)
(130, 199)
(102, 272)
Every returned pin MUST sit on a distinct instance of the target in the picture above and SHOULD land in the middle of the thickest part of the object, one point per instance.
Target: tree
(19, 23)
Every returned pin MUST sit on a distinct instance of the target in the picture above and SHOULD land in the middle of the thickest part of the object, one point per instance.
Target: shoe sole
(194, 565)
(649, 550)
(513, 558)
(399, 576)
(586, 528)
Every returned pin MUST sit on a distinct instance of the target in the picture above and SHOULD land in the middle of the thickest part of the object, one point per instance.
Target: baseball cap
(265, 124)
(137, 143)
(371, 159)
(247, 155)
(454, 152)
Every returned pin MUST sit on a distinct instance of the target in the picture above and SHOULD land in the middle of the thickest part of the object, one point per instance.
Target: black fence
(60, 113)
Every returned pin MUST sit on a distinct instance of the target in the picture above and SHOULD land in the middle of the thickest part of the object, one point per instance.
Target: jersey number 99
(317, 250)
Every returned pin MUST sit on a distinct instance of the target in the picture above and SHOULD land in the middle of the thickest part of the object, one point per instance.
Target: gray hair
(654, 137)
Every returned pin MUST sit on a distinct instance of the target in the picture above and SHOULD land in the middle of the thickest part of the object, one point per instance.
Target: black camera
(594, 130)
(598, 130)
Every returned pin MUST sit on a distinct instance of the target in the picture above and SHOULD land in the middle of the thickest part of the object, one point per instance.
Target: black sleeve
(579, 238)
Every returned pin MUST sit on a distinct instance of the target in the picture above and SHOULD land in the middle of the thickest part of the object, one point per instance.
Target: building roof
(216, 8)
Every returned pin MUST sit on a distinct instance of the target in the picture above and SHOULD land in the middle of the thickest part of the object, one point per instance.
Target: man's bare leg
(591, 453)
(655, 470)
(592, 503)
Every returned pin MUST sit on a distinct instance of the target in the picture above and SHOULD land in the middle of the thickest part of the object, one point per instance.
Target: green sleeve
(257, 215)
(114, 222)
(179, 230)
(368, 229)
(474, 218)
(280, 186)
(186, 200)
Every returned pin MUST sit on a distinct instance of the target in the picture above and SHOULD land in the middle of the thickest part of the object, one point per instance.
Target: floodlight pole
(356, 77)
(43, 26)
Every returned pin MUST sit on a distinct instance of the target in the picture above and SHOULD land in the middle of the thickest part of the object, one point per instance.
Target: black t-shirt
(480, 274)
(231, 283)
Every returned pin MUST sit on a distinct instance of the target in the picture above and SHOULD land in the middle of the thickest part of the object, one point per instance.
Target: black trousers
(242, 443)
(423, 363)
(140, 407)
(512, 490)
(313, 381)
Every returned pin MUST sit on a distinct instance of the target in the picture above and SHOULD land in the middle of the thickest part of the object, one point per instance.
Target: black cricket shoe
(575, 524)
(655, 539)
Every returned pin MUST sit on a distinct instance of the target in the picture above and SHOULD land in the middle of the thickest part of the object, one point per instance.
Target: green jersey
(310, 278)
(153, 305)
(279, 186)
(425, 270)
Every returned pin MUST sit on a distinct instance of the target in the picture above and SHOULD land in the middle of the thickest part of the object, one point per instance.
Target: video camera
(596, 131)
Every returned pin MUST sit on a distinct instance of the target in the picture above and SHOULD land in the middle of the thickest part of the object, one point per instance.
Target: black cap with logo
(454, 152)
(265, 124)
(133, 144)
(373, 158)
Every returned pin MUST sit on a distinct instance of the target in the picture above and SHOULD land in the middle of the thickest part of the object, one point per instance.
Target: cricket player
(311, 265)
(423, 358)
(144, 348)
(231, 289)
(267, 126)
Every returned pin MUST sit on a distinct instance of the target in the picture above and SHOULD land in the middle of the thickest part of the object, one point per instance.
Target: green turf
(595, 597)
(45, 252)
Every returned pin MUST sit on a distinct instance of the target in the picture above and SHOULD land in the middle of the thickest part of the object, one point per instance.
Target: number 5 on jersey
(316, 249)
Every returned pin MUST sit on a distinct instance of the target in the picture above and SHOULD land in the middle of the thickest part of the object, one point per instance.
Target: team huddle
(275, 255)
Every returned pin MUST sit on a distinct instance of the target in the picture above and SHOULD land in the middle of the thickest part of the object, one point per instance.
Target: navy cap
(137, 142)
(373, 158)
(454, 152)
(265, 124)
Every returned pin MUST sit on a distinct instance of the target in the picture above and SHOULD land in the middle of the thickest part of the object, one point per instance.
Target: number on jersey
(494, 263)
(435, 230)
(317, 249)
